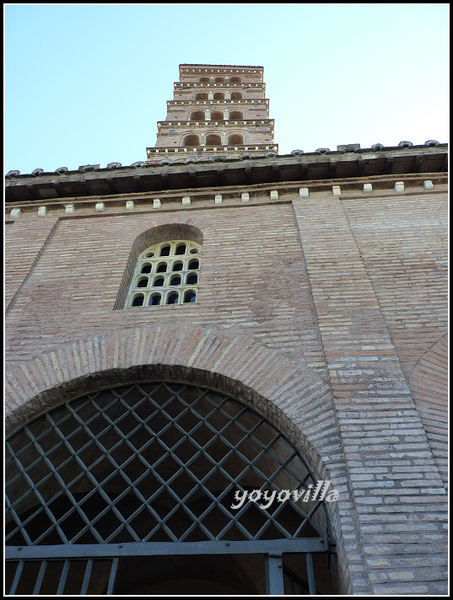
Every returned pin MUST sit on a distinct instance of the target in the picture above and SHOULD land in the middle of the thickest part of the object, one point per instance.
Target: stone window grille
(166, 273)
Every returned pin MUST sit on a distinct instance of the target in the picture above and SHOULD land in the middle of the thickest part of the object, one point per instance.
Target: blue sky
(87, 83)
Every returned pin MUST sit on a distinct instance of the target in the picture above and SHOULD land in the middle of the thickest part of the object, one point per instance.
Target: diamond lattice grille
(153, 462)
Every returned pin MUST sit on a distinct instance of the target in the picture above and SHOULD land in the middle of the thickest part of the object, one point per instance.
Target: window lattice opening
(129, 491)
(159, 263)
(153, 462)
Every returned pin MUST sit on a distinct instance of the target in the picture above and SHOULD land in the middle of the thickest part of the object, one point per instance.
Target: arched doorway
(158, 488)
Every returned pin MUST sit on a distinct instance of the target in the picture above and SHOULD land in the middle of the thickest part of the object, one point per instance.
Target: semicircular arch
(286, 392)
(283, 390)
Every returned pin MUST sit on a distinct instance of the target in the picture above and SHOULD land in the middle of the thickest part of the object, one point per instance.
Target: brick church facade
(299, 300)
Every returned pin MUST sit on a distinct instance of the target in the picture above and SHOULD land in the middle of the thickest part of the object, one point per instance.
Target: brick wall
(24, 244)
(362, 308)
(328, 309)
(403, 245)
(259, 287)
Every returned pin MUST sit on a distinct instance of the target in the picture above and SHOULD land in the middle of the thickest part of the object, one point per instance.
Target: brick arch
(236, 138)
(213, 134)
(191, 139)
(187, 134)
(293, 397)
(173, 221)
(428, 382)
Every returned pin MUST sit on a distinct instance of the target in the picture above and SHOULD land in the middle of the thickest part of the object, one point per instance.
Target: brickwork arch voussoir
(293, 397)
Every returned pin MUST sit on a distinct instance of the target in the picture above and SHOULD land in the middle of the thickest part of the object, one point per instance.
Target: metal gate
(134, 487)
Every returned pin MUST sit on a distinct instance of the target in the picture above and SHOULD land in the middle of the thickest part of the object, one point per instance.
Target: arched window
(191, 140)
(156, 488)
(236, 115)
(213, 140)
(190, 296)
(219, 80)
(137, 300)
(219, 96)
(236, 138)
(197, 116)
(235, 80)
(236, 96)
(172, 298)
(172, 268)
(204, 79)
(201, 96)
(155, 299)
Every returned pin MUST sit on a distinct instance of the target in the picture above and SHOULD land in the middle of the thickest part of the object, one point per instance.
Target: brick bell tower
(216, 111)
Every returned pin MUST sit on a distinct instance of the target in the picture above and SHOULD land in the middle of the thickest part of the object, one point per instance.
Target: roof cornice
(204, 66)
(346, 162)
